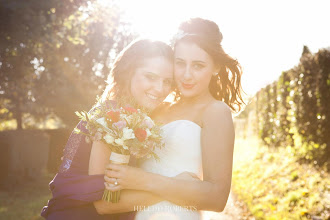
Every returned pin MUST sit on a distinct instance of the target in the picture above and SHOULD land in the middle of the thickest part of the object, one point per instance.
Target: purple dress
(74, 191)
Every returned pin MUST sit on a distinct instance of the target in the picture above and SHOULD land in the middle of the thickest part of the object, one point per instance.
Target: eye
(180, 63)
(151, 77)
(198, 66)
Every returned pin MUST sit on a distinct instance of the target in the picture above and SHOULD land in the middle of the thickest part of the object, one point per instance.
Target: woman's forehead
(159, 66)
(190, 51)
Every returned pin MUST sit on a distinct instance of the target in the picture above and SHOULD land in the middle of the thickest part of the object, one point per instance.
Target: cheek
(205, 77)
(177, 74)
(138, 84)
(133, 85)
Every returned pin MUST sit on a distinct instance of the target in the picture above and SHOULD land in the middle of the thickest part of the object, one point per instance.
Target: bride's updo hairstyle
(226, 85)
(126, 63)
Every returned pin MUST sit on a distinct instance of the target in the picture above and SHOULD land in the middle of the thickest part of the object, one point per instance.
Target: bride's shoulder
(218, 106)
(217, 110)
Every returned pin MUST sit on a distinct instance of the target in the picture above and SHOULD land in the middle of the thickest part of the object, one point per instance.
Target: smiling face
(193, 69)
(152, 82)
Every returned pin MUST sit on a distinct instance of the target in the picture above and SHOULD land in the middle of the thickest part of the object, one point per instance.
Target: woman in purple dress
(143, 70)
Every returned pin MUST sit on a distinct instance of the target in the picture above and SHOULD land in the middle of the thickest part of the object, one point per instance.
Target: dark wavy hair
(128, 60)
(226, 85)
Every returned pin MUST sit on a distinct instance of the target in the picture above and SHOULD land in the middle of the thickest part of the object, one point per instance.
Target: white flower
(103, 123)
(128, 134)
(119, 142)
(148, 132)
(108, 138)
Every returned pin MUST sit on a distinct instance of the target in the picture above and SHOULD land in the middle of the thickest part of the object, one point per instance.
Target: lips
(187, 85)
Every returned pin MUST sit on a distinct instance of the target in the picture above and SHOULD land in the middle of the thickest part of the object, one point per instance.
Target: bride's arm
(217, 152)
(130, 200)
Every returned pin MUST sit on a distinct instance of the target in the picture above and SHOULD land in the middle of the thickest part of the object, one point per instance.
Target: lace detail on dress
(74, 142)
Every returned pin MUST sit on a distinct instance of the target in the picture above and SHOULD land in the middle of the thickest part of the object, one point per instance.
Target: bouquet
(126, 130)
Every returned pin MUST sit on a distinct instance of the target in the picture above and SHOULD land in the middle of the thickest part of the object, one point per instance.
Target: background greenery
(293, 112)
(54, 58)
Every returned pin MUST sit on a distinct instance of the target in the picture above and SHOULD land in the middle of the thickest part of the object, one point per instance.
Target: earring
(214, 74)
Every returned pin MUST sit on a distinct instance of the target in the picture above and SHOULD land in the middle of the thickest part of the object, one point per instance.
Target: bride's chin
(188, 94)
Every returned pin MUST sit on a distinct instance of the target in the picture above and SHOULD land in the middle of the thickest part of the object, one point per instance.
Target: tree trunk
(18, 115)
(19, 121)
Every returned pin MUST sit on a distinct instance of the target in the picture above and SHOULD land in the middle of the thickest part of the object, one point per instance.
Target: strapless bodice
(182, 152)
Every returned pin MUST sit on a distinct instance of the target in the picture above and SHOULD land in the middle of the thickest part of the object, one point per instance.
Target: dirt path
(235, 210)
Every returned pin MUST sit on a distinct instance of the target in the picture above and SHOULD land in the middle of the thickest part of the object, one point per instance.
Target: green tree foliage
(322, 58)
(294, 111)
(307, 122)
(283, 134)
(56, 55)
(264, 124)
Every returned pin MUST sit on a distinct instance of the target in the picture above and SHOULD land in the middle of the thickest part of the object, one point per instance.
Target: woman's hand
(127, 177)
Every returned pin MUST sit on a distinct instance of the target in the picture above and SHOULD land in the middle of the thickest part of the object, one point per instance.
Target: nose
(159, 86)
(187, 73)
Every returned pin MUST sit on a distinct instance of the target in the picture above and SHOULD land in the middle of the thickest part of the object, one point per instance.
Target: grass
(275, 186)
(25, 201)
(269, 181)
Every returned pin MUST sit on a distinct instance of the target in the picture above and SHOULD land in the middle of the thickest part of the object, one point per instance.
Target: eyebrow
(179, 59)
(155, 74)
(152, 73)
(194, 61)
(199, 61)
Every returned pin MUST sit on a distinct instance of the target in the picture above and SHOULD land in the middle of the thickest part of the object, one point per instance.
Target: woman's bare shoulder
(217, 111)
(217, 107)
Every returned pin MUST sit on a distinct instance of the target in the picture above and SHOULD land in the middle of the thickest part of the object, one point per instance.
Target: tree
(56, 57)
(322, 58)
(307, 122)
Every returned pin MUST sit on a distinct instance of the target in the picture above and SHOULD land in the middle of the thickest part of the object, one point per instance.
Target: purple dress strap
(73, 190)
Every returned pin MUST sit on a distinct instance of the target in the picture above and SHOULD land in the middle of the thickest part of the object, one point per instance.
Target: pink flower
(148, 122)
(131, 110)
(140, 134)
(114, 116)
(119, 125)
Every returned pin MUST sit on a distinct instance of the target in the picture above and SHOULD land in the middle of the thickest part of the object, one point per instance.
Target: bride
(198, 131)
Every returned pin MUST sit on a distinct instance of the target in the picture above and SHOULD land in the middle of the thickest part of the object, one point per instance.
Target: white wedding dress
(182, 152)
